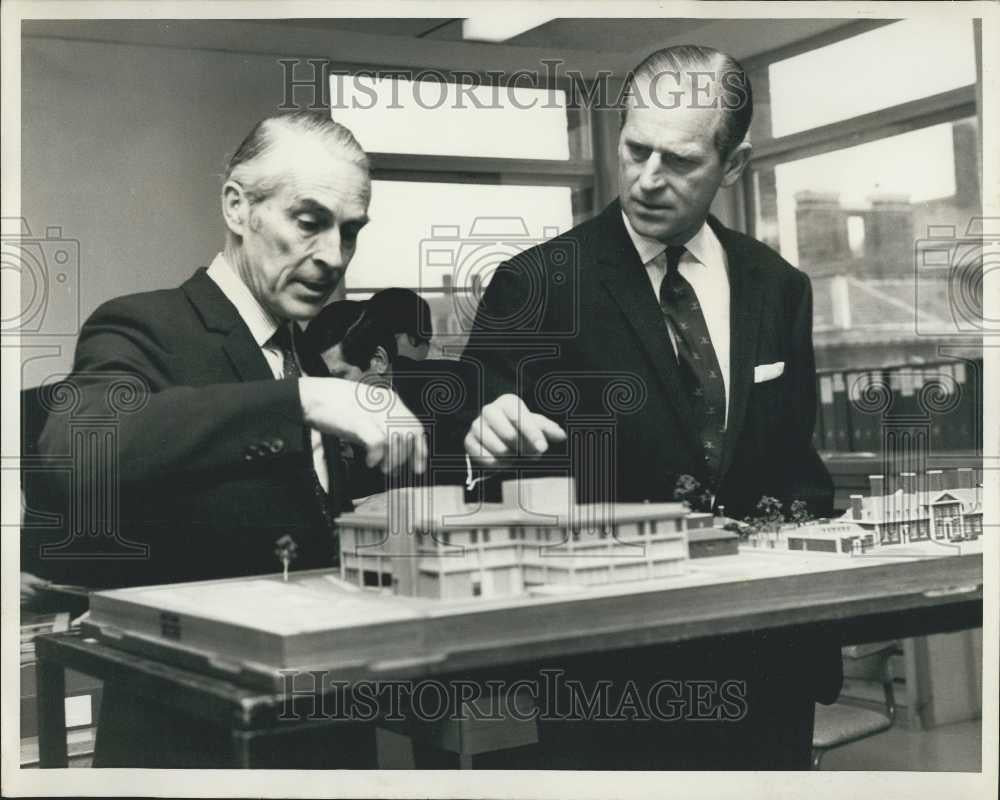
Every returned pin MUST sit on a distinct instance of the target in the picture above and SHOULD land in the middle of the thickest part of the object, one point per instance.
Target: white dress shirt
(262, 326)
(704, 266)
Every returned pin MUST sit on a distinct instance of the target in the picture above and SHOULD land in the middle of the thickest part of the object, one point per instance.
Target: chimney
(935, 480)
(909, 482)
(877, 494)
(965, 477)
(909, 499)
(856, 506)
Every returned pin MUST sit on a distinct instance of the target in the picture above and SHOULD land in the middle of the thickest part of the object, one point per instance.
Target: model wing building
(429, 542)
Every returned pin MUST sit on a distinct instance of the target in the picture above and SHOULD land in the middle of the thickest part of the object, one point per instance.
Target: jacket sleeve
(806, 477)
(507, 328)
(123, 389)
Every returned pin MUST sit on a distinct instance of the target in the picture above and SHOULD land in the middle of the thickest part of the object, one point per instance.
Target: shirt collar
(259, 320)
(704, 246)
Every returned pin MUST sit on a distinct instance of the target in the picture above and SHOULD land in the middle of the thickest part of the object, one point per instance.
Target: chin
(655, 230)
(300, 309)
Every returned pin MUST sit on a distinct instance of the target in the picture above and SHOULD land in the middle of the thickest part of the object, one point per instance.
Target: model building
(428, 542)
(917, 511)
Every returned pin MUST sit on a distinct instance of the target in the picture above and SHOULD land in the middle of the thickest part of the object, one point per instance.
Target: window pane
(904, 61)
(428, 117)
(445, 240)
(856, 219)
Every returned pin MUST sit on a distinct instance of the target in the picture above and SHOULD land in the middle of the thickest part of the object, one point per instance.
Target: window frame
(579, 173)
(770, 151)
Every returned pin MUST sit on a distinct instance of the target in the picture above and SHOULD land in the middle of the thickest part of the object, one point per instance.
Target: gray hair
(263, 137)
(736, 108)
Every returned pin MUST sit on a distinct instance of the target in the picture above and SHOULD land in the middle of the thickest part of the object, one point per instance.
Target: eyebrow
(679, 153)
(308, 204)
(314, 206)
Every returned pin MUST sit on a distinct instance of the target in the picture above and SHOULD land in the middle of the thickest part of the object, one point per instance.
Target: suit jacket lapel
(625, 279)
(745, 296)
(218, 314)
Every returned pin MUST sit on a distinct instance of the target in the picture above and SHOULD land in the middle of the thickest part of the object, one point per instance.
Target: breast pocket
(768, 397)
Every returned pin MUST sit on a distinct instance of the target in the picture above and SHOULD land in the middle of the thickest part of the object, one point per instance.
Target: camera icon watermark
(954, 271)
(462, 266)
(41, 281)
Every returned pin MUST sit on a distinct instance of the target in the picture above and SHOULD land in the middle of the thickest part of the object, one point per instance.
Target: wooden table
(856, 604)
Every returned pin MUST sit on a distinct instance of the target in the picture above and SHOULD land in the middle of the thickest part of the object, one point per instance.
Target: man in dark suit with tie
(222, 446)
(221, 451)
(691, 344)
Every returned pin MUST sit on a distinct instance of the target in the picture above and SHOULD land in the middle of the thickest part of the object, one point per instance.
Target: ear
(380, 363)
(235, 208)
(736, 163)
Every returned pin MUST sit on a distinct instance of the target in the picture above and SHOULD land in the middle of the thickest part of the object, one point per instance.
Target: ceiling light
(495, 28)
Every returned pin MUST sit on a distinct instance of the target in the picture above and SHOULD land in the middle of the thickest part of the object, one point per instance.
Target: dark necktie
(699, 367)
(290, 368)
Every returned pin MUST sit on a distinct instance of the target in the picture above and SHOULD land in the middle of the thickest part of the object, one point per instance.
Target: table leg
(51, 714)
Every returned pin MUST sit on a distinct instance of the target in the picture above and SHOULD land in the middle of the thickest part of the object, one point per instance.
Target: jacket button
(248, 455)
(276, 445)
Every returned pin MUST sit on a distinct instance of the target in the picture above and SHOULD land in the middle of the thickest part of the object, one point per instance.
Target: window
(871, 189)
(897, 54)
(454, 194)
(431, 117)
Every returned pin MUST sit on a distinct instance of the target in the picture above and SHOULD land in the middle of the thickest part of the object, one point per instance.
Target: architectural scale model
(915, 512)
(427, 580)
(428, 542)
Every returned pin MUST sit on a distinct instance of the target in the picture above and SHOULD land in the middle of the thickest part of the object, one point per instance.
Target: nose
(652, 177)
(329, 252)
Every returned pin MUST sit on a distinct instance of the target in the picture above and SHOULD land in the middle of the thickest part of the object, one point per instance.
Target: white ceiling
(588, 45)
(628, 37)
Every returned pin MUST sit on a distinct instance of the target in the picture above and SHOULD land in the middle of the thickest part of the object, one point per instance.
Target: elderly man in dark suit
(228, 447)
(692, 343)
(224, 447)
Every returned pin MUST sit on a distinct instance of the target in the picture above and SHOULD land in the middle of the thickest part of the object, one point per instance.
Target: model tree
(689, 491)
(768, 518)
(798, 512)
(286, 549)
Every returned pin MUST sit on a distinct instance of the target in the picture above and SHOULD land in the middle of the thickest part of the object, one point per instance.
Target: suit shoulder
(553, 252)
(142, 307)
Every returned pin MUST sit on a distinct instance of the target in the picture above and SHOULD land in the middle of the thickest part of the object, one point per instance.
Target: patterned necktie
(290, 368)
(699, 366)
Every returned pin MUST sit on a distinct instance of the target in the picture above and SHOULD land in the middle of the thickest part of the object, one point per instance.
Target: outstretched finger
(474, 447)
(549, 429)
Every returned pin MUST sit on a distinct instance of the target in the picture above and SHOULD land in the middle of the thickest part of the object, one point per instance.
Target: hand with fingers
(32, 588)
(506, 428)
(391, 436)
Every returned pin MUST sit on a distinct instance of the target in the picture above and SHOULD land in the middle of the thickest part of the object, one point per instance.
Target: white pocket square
(768, 372)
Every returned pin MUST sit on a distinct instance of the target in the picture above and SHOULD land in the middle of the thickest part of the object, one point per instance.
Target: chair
(849, 721)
